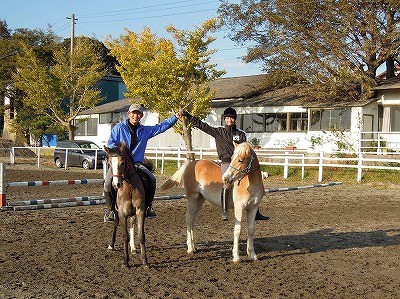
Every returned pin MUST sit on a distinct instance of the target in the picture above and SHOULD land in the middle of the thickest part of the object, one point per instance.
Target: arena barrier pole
(303, 187)
(45, 203)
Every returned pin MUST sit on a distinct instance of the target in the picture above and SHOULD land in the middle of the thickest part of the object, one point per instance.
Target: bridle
(128, 166)
(246, 170)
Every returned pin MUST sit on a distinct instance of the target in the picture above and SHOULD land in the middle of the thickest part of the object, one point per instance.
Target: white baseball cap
(136, 107)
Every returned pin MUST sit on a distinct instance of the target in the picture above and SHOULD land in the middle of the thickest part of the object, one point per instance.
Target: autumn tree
(64, 86)
(331, 45)
(167, 75)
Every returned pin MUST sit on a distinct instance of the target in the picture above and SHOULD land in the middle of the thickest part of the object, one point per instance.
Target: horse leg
(142, 239)
(251, 215)
(193, 208)
(236, 233)
(132, 235)
(114, 234)
(125, 237)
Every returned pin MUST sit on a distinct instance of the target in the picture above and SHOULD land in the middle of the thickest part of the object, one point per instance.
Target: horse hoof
(236, 260)
(110, 247)
(191, 252)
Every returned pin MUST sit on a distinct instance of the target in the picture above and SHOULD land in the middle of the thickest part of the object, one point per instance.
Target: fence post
(38, 156)
(286, 167)
(179, 158)
(359, 170)
(321, 161)
(3, 198)
(302, 166)
(12, 156)
(162, 162)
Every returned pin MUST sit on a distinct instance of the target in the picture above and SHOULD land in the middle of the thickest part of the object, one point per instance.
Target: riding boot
(260, 216)
(224, 203)
(150, 212)
(109, 215)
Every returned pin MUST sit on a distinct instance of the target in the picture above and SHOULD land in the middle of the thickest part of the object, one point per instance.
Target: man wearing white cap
(135, 136)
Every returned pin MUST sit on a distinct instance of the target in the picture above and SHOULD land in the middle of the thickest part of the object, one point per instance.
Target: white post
(66, 159)
(162, 162)
(321, 161)
(12, 156)
(286, 167)
(359, 170)
(302, 166)
(38, 156)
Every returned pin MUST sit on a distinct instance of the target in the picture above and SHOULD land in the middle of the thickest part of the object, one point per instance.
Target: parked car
(80, 153)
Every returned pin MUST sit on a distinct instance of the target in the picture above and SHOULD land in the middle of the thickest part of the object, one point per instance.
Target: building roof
(249, 91)
(238, 87)
(392, 83)
(115, 106)
(287, 96)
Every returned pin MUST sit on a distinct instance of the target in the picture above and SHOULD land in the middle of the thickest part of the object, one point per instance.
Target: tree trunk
(71, 131)
(187, 137)
(389, 67)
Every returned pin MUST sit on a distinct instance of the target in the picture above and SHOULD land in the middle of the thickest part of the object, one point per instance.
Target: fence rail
(287, 159)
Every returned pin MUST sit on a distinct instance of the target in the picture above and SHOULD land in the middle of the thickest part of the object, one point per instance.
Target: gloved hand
(187, 114)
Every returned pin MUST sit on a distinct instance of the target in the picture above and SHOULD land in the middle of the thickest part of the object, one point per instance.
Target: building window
(253, 122)
(394, 119)
(105, 118)
(273, 122)
(298, 121)
(86, 127)
(332, 119)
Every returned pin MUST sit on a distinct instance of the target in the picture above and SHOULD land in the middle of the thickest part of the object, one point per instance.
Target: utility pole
(72, 31)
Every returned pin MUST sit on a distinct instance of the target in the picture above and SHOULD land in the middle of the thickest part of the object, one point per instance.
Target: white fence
(286, 159)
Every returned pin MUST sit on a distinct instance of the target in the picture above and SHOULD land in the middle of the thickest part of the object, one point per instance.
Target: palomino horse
(130, 200)
(202, 181)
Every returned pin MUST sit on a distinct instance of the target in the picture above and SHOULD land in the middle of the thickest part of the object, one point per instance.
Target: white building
(278, 118)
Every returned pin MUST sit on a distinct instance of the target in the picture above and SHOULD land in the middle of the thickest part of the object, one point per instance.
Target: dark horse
(130, 200)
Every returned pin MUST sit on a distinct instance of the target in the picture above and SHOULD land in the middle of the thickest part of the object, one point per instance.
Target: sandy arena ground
(333, 242)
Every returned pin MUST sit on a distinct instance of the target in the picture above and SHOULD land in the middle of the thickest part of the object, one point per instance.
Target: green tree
(63, 87)
(331, 45)
(168, 75)
(40, 42)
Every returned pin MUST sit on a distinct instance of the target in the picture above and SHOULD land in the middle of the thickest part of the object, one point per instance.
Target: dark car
(80, 153)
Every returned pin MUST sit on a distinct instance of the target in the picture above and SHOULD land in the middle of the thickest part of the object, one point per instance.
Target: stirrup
(224, 215)
(150, 213)
(109, 216)
(260, 216)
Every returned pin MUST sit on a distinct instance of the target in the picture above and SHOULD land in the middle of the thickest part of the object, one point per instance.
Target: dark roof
(238, 87)
(392, 83)
(249, 91)
(116, 106)
(288, 96)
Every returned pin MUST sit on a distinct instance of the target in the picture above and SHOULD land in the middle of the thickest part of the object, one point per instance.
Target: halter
(247, 170)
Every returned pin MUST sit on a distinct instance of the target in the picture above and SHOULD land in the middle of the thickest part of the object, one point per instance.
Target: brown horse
(202, 181)
(130, 201)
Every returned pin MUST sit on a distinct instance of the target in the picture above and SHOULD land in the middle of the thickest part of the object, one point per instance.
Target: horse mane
(176, 178)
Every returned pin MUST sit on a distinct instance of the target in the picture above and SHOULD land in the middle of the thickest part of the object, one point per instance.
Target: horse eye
(240, 161)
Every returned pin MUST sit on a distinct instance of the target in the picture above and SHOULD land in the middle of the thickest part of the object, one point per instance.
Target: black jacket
(224, 137)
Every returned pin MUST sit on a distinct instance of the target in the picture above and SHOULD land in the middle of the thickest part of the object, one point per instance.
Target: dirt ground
(333, 242)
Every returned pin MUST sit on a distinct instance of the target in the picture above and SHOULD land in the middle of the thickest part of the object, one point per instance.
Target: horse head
(119, 162)
(244, 160)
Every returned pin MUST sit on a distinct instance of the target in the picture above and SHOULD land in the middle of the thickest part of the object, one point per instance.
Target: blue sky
(101, 18)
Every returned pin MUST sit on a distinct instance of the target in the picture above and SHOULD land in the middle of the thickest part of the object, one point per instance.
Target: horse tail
(176, 178)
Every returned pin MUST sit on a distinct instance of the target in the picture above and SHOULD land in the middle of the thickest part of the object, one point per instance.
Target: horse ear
(106, 149)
